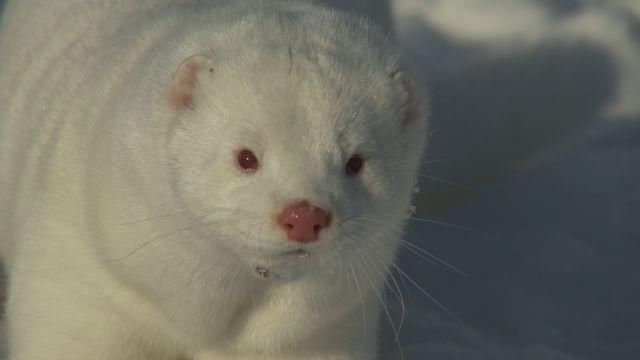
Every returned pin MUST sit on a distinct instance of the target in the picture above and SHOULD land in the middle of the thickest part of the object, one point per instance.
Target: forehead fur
(300, 69)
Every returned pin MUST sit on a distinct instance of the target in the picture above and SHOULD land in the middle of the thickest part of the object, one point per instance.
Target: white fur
(129, 232)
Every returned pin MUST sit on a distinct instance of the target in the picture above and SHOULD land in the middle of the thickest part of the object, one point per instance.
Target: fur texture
(128, 229)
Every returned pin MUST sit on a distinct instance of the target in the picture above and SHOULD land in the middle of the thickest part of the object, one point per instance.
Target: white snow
(535, 107)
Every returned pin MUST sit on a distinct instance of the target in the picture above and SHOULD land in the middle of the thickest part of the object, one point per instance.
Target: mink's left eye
(354, 165)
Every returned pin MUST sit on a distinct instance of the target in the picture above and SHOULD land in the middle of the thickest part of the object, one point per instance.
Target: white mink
(201, 179)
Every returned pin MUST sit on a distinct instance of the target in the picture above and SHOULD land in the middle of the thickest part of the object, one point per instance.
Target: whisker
(421, 163)
(401, 298)
(194, 272)
(364, 314)
(427, 162)
(147, 243)
(434, 263)
(341, 250)
(384, 306)
(447, 182)
(405, 275)
(434, 300)
(448, 225)
(404, 283)
(381, 261)
(416, 249)
(156, 217)
(432, 259)
(215, 209)
(151, 218)
(360, 221)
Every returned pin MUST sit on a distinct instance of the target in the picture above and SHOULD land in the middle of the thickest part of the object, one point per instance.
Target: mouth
(287, 263)
(301, 253)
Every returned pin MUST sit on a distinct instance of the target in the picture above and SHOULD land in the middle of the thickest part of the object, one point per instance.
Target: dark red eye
(247, 160)
(354, 165)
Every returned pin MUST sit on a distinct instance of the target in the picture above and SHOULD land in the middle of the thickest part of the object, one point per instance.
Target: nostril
(317, 228)
(327, 220)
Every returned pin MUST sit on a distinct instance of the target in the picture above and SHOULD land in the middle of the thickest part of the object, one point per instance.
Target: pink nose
(302, 221)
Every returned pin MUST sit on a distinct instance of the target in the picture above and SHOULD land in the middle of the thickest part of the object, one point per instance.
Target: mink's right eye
(247, 161)
(354, 165)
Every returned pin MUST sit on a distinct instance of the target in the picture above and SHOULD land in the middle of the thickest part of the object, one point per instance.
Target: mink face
(299, 159)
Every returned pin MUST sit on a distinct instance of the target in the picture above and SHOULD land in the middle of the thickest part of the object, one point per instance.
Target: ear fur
(412, 104)
(185, 81)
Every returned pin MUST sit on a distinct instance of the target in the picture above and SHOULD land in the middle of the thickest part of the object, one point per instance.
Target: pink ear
(185, 81)
(412, 100)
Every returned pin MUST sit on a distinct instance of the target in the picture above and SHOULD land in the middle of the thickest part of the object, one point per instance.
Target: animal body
(201, 179)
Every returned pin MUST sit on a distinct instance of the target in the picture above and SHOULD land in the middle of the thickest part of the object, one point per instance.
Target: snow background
(535, 111)
(535, 105)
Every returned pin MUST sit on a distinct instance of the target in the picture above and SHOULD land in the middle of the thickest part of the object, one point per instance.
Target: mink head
(297, 148)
